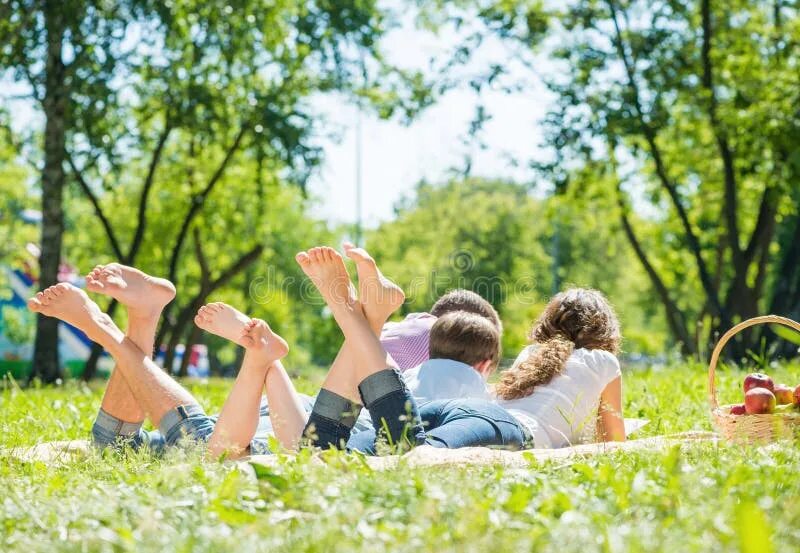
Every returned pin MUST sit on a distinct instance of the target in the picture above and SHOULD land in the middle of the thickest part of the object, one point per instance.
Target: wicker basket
(749, 428)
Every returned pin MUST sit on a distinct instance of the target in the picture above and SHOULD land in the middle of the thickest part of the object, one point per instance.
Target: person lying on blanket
(570, 373)
(406, 341)
(464, 350)
(138, 388)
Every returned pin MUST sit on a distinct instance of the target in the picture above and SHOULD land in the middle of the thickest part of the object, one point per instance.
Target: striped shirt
(408, 341)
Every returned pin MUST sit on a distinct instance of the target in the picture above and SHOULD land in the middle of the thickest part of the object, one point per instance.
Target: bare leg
(325, 267)
(144, 298)
(379, 298)
(239, 417)
(154, 390)
(393, 410)
(286, 410)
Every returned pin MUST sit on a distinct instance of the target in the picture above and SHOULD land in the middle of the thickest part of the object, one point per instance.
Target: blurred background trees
(128, 87)
(177, 136)
(683, 114)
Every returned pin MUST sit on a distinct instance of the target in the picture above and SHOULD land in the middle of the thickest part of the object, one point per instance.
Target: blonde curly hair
(576, 318)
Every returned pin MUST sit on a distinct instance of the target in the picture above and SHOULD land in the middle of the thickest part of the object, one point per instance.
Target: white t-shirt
(559, 413)
(445, 379)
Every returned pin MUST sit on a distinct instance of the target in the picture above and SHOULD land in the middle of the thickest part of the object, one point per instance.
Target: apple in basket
(759, 401)
(797, 396)
(738, 409)
(758, 380)
(783, 394)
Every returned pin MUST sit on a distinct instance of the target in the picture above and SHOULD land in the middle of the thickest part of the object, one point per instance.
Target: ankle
(105, 332)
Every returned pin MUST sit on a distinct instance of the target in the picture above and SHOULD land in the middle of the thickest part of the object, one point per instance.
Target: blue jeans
(398, 420)
(455, 423)
(391, 407)
(188, 422)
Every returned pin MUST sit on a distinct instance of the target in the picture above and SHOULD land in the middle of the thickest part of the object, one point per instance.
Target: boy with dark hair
(407, 341)
(464, 351)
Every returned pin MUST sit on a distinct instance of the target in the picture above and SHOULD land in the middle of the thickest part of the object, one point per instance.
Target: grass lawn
(701, 498)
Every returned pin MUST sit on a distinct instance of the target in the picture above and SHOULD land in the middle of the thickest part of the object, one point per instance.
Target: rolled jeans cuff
(186, 421)
(379, 385)
(394, 413)
(331, 420)
(108, 430)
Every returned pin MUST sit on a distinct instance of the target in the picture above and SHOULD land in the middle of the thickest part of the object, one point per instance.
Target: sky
(395, 157)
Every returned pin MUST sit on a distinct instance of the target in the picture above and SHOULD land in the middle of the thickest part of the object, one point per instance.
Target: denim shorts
(184, 423)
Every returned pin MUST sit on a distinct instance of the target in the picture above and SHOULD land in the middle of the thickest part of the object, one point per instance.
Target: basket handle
(766, 319)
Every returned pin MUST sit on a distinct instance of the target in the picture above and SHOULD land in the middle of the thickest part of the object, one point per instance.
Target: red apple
(758, 380)
(784, 394)
(759, 401)
(738, 409)
(797, 395)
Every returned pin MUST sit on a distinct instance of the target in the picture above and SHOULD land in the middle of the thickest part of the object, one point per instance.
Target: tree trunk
(786, 292)
(45, 356)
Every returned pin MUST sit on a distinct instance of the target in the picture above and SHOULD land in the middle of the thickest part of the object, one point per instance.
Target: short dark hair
(466, 337)
(466, 300)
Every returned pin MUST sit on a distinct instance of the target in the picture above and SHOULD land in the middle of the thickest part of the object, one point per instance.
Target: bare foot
(325, 267)
(144, 296)
(72, 305)
(380, 296)
(223, 320)
(260, 341)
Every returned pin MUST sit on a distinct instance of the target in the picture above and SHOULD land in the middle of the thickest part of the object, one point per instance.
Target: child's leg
(383, 391)
(379, 298)
(166, 403)
(239, 417)
(286, 411)
(145, 297)
(285, 408)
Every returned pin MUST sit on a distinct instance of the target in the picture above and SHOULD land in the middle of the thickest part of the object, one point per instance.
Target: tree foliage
(515, 250)
(684, 112)
(122, 84)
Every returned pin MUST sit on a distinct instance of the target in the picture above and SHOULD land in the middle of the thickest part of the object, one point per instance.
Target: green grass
(700, 498)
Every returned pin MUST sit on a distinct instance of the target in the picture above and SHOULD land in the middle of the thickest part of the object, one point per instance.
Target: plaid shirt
(407, 341)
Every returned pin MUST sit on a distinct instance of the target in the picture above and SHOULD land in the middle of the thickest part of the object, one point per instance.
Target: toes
(34, 304)
(302, 258)
(331, 254)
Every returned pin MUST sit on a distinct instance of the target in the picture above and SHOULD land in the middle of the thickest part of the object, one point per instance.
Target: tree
(686, 111)
(120, 80)
(495, 238)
